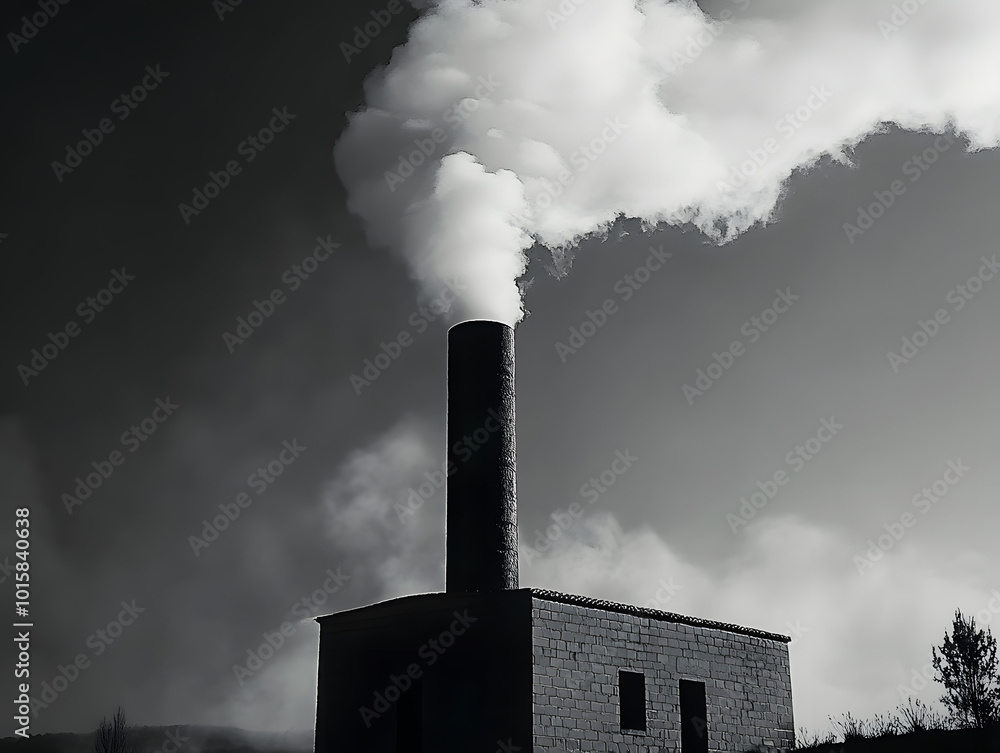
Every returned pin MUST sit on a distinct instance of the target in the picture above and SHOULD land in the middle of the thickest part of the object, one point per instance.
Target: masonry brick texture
(578, 652)
(538, 672)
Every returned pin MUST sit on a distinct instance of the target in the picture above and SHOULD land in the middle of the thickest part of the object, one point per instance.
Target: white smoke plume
(503, 123)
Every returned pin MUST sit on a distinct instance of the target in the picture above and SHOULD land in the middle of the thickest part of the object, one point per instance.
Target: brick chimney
(481, 494)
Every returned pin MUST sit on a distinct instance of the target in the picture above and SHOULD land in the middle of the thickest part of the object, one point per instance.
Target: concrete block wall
(579, 650)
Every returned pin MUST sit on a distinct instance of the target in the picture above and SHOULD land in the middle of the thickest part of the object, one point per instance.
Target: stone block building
(489, 667)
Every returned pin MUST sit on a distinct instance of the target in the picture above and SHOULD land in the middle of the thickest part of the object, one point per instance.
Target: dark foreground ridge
(929, 741)
(182, 738)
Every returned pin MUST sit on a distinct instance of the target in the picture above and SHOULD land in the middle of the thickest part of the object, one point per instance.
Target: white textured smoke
(505, 122)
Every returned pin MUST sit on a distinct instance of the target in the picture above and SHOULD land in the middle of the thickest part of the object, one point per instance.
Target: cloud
(385, 556)
(857, 640)
(367, 519)
(505, 122)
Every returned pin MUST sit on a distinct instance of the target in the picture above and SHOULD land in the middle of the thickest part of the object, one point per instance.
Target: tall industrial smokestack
(482, 496)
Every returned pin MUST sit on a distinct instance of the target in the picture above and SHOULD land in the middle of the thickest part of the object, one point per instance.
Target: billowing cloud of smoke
(505, 122)
(389, 550)
(396, 550)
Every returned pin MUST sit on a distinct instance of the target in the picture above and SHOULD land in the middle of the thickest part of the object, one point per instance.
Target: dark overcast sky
(860, 635)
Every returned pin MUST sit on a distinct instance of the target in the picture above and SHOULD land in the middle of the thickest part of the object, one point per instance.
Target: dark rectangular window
(632, 699)
(694, 724)
(409, 719)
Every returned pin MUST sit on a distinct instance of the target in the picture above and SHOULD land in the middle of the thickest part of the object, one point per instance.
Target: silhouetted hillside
(931, 741)
(177, 739)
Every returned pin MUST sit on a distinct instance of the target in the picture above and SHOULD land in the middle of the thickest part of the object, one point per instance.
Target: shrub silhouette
(806, 739)
(966, 664)
(967, 667)
(113, 736)
(917, 716)
(850, 728)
